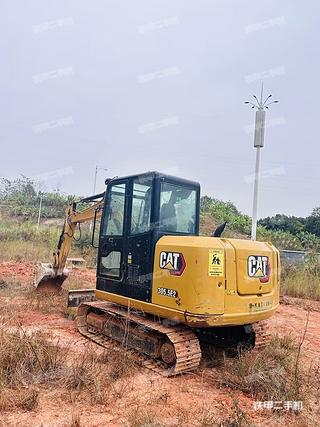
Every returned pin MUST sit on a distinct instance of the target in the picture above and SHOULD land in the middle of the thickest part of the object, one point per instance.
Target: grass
(18, 251)
(25, 399)
(301, 280)
(93, 375)
(274, 374)
(239, 417)
(24, 241)
(142, 417)
(29, 364)
(26, 361)
(29, 251)
(75, 421)
(29, 361)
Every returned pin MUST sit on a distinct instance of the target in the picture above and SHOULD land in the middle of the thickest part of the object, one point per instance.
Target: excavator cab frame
(138, 211)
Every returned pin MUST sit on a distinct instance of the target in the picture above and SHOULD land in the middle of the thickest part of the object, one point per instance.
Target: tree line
(20, 198)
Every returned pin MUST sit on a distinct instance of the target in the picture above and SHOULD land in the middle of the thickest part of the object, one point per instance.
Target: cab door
(125, 259)
(111, 269)
(140, 239)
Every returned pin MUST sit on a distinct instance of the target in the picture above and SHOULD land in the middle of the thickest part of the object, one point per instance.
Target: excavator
(162, 288)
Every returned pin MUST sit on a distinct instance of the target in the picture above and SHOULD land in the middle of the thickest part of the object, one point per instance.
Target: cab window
(177, 208)
(141, 206)
(114, 219)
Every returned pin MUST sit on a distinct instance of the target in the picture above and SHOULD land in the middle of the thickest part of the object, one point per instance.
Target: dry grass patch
(273, 374)
(119, 363)
(75, 421)
(205, 417)
(27, 359)
(22, 250)
(142, 417)
(48, 302)
(87, 375)
(100, 376)
(24, 398)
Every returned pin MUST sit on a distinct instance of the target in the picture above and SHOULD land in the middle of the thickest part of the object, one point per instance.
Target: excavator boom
(51, 276)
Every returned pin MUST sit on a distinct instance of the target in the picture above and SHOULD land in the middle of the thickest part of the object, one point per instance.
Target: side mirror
(219, 230)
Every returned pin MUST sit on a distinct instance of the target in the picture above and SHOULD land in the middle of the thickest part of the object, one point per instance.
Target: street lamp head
(251, 103)
(260, 104)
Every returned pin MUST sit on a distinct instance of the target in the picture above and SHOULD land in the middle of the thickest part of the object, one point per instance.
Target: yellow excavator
(160, 286)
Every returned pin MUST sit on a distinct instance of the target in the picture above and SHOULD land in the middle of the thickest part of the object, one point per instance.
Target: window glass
(110, 264)
(114, 219)
(141, 206)
(177, 208)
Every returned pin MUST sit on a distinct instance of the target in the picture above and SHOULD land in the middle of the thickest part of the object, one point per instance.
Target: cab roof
(160, 176)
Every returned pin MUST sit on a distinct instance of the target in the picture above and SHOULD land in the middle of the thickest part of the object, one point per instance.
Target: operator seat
(168, 217)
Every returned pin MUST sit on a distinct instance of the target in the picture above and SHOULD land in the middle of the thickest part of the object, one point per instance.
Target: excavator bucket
(47, 280)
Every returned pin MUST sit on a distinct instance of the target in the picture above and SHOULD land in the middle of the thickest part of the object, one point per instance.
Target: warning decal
(216, 262)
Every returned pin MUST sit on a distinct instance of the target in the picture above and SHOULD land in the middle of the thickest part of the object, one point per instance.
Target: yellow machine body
(161, 287)
(209, 282)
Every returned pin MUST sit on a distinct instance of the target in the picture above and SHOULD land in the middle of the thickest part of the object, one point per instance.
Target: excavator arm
(51, 276)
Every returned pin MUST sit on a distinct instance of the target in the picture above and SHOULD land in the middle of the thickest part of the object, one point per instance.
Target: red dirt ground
(174, 397)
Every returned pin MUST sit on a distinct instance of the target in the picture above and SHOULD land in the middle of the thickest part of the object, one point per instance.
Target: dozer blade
(47, 280)
(78, 296)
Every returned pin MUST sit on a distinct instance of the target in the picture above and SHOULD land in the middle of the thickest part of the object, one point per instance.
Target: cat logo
(258, 267)
(172, 261)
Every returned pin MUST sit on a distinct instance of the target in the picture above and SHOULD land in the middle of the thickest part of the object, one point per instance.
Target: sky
(132, 86)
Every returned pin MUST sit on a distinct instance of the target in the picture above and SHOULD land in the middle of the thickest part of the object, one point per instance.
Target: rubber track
(185, 342)
(262, 335)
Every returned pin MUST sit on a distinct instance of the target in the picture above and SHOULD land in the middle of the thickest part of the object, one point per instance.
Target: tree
(20, 198)
(292, 224)
(313, 222)
(220, 211)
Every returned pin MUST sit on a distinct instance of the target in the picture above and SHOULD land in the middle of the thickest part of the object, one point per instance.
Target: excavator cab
(138, 211)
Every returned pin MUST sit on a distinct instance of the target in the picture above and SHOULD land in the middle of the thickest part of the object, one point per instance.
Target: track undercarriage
(168, 349)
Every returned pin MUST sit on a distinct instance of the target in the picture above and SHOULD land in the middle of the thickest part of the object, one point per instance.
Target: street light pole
(259, 132)
(40, 207)
(95, 185)
(255, 195)
(95, 178)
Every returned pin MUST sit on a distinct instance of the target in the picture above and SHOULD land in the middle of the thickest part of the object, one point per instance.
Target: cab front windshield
(177, 208)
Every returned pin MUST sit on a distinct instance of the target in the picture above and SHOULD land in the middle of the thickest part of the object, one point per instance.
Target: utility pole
(95, 178)
(95, 185)
(40, 206)
(259, 131)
